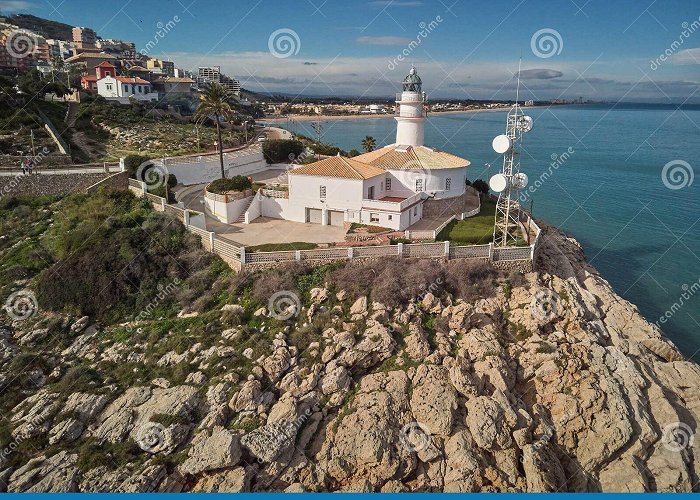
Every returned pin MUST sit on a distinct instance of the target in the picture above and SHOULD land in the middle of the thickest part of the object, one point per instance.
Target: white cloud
(15, 5)
(686, 56)
(383, 40)
(371, 77)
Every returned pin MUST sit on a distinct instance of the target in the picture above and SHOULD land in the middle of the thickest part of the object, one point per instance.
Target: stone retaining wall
(48, 185)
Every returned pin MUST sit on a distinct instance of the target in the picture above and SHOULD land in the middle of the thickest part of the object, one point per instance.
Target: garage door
(336, 217)
(314, 215)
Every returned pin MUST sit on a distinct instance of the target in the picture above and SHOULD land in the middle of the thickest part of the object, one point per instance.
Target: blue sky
(596, 49)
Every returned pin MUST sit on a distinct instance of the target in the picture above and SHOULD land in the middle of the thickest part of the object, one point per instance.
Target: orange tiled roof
(397, 157)
(339, 166)
(126, 79)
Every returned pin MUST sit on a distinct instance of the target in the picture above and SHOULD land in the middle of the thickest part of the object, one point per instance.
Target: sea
(620, 178)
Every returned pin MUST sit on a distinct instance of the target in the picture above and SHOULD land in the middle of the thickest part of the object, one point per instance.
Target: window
(388, 183)
(391, 217)
(108, 86)
(323, 192)
(373, 217)
(415, 210)
(448, 184)
(370, 193)
(140, 89)
(419, 185)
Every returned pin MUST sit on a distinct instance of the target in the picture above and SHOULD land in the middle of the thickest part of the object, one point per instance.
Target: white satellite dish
(526, 123)
(498, 183)
(520, 180)
(501, 144)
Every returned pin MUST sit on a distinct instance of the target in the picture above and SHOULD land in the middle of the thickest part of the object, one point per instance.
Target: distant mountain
(45, 27)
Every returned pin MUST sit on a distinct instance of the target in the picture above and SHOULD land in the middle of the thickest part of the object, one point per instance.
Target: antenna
(517, 89)
(505, 231)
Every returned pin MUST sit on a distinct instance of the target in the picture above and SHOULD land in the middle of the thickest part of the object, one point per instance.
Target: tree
(481, 186)
(368, 143)
(216, 100)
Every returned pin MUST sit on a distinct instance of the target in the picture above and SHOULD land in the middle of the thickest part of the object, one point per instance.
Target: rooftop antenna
(505, 231)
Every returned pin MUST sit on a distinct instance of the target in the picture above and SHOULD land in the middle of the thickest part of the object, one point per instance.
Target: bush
(237, 183)
(113, 256)
(481, 186)
(471, 279)
(133, 162)
(282, 150)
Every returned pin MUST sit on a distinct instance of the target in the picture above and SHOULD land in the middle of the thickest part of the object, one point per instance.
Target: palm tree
(368, 143)
(216, 100)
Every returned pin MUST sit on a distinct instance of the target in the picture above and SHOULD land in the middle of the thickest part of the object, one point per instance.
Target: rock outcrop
(553, 383)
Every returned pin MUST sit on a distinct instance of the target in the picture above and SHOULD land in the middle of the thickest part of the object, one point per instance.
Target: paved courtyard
(266, 230)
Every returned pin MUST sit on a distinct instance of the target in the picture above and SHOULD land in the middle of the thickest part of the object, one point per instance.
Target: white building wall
(227, 212)
(304, 192)
(108, 87)
(403, 182)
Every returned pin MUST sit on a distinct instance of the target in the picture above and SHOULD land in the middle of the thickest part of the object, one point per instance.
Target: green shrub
(282, 150)
(236, 183)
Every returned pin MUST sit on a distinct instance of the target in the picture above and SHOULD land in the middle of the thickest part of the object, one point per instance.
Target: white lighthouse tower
(410, 113)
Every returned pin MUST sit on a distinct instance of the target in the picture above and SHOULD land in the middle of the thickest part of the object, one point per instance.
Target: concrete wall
(208, 168)
(227, 212)
(254, 210)
(276, 208)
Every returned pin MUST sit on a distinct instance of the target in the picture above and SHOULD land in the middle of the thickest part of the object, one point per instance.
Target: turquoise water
(609, 194)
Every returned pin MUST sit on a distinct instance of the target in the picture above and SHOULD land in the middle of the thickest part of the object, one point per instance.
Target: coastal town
(209, 285)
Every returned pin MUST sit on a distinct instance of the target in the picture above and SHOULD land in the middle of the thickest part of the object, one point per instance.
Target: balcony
(392, 204)
(410, 97)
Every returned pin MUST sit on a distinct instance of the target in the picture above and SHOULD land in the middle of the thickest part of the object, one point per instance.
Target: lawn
(477, 230)
(281, 247)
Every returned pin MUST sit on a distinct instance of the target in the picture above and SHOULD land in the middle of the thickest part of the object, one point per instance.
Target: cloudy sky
(643, 50)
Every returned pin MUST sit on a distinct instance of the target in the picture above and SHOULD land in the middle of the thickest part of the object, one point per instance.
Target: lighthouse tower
(410, 114)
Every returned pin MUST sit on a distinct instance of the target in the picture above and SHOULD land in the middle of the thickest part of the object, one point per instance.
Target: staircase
(241, 218)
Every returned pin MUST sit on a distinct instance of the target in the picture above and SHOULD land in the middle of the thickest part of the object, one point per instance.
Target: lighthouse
(410, 113)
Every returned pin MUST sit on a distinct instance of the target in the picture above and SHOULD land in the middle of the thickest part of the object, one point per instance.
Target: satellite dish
(498, 182)
(501, 144)
(526, 123)
(520, 180)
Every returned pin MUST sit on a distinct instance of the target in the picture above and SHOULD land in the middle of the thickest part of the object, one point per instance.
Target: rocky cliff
(553, 383)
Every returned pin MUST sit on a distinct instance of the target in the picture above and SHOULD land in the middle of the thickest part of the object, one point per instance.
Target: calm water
(642, 236)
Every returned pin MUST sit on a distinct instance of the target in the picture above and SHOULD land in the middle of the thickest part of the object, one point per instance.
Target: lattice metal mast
(505, 230)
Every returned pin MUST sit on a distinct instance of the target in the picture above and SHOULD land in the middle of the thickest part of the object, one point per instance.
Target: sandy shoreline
(313, 118)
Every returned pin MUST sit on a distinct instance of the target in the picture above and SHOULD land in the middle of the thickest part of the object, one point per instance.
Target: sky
(631, 50)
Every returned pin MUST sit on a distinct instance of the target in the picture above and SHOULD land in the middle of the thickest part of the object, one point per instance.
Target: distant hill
(45, 27)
